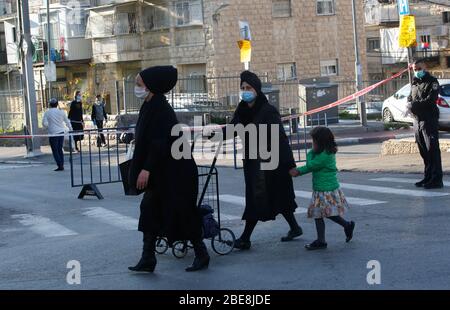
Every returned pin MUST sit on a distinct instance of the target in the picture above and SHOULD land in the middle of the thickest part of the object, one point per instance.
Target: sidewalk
(347, 133)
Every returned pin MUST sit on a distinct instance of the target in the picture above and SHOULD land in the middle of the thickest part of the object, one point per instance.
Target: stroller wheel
(180, 249)
(161, 245)
(223, 242)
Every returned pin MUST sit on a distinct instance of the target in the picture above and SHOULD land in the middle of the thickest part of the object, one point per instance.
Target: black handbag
(125, 173)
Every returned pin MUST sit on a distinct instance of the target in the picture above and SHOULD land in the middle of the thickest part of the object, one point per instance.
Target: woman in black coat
(169, 207)
(76, 117)
(267, 192)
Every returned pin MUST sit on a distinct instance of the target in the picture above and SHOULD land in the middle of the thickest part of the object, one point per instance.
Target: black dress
(76, 118)
(267, 192)
(169, 206)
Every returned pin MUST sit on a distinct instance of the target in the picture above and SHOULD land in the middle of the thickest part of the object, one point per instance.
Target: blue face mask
(419, 74)
(247, 96)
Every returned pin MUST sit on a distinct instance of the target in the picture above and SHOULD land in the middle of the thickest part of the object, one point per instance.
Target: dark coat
(423, 97)
(76, 118)
(169, 207)
(267, 192)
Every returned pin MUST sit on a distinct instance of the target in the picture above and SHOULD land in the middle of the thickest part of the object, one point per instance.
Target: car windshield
(445, 90)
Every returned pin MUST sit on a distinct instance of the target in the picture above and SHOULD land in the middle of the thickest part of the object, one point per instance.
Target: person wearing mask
(76, 119)
(422, 105)
(268, 193)
(99, 116)
(169, 206)
(56, 122)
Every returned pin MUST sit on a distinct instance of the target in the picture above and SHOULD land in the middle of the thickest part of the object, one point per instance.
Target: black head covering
(160, 79)
(252, 79)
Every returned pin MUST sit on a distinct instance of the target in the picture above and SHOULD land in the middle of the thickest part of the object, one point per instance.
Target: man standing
(54, 120)
(422, 104)
(98, 116)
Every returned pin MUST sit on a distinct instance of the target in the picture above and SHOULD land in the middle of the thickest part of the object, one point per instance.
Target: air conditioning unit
(441, 31)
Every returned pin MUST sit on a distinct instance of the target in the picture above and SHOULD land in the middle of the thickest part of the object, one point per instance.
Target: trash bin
(272, 94)
(316, 95)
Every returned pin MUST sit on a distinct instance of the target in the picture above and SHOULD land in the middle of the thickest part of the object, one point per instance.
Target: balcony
(378, 14)
(115, 49)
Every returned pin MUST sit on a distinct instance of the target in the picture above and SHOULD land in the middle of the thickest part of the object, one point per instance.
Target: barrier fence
(98, 165)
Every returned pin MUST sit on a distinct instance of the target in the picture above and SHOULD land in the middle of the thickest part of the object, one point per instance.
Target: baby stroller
(222, 239)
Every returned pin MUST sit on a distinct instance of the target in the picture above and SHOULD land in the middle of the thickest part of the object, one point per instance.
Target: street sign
(245, 43)
(403, 7)
(246, 50)
(407, 36)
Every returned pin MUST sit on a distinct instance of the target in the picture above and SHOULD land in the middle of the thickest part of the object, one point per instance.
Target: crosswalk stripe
(236, 200)
(402, 180)
(15, 166)
(395, 191)
(229, 217)
(43, 226)
(239, 200)
(351, 200)
(112, 218)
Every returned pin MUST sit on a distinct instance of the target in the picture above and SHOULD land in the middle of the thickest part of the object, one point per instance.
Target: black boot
(147, 263)
(293, 233)
(201, 260)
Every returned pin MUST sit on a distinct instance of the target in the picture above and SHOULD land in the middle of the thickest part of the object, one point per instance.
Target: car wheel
(387, 116)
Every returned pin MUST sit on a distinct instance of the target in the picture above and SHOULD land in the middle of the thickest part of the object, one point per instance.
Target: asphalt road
(43, 226)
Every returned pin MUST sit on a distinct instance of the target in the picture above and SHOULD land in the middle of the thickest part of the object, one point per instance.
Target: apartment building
(384, 57)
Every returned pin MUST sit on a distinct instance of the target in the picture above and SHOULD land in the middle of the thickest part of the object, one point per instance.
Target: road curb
(369, 140)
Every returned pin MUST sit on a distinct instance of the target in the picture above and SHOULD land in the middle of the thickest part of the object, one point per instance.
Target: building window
(14, 34)
(446, 17)
(287, 71)
(189, 12)
(156, 17)
(373, 44)
(126, 23)
(448, 61)
(281, 8)
(424, 42)
(78, 29)
(325, 7)
(329, 67)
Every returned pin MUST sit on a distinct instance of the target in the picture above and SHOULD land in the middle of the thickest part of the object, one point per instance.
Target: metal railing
(94, 164)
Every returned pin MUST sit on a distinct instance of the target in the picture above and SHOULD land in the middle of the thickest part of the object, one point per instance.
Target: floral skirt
(326, 204)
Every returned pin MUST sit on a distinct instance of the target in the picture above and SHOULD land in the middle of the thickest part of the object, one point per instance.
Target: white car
(395, 107)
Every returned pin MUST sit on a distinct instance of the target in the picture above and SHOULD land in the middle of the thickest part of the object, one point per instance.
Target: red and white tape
(349, 98)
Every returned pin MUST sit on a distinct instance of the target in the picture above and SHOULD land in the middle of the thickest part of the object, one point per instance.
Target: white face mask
(141, 92)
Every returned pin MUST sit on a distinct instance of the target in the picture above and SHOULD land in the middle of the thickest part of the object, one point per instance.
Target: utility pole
(358, 71)
(49, 60)
(28, 77)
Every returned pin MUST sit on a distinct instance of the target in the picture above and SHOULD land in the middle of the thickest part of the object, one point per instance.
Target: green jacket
(323, 168)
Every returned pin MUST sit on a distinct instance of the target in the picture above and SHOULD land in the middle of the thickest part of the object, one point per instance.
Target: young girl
(327, 201)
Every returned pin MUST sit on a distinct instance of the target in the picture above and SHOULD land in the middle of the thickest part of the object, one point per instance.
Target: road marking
(229, 217)
(240, 201)
(43, 226)
(351, 200)
(236, 200)
(15, 167)
(395, 191)
(10, 230)
(402, 180)
(112, 218)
